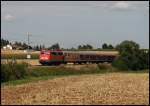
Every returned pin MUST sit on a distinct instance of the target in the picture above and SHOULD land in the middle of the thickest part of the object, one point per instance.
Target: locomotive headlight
(44, 58)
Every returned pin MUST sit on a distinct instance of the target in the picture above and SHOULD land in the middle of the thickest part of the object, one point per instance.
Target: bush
(103, 66)
(120, 64)
(131, 57)
(13, 71)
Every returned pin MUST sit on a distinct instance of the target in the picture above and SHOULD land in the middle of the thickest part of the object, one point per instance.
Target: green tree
(104, 46)
(43, 46)
(4, 42)
(79, 47)
(110, 46)
(37, 48)
(25, 46)
(54, 47)
(89, 46)
(85, 47)
(131, 57)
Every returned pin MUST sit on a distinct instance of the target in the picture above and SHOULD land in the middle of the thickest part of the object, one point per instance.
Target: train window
(45, 52)
(81, 57)
(60, 53)
(42, 52)
(96, 57)
(110, 58)
(91, 57)
(65, 54)
(53, 53)
(86, 56)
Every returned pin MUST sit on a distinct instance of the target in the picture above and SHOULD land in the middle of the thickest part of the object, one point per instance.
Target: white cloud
(9, 17)
(121, 5)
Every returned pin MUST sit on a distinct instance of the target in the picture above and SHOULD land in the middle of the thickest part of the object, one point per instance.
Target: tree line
(4, 42)
(53, 47)
(131, 57)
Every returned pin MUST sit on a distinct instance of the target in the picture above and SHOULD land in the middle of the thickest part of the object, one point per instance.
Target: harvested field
(31, 61)
(17, 52)
(110, 88)
(38, 52)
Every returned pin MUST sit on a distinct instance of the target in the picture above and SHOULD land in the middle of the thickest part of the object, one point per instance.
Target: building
(8, 47)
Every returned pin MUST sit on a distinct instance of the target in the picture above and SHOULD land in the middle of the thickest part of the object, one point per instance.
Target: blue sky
(71, 23)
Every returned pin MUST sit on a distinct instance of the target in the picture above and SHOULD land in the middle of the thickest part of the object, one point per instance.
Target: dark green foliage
(127, 46)
(45, 71)
(131, 57)
(21, 46)
(110, 46)
(106, 46)
(54, 47)
(102, 66)
(120, 64)
(143, 59)
(4, 42)
(25, 46)
(84, 47)
(13, 71)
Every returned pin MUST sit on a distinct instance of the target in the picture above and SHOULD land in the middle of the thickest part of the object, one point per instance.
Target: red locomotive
(49, 57)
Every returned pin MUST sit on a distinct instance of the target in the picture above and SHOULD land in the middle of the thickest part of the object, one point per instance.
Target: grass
(17, 73)
(26, 80)
(45, 73)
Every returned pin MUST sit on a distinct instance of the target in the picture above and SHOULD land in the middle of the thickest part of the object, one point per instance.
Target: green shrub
(13, 71)
(103, 66)
(131, 57)
(120, 64)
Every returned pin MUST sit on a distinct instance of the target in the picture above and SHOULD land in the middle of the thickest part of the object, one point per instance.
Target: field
(16, 51)
(108, 88)
(31, 61)
(85, 84)
(18, 54)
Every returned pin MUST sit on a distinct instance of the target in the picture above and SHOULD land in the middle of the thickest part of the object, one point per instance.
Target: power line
(28, 52)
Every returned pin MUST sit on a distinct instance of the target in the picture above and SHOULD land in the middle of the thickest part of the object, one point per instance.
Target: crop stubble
(110, 88)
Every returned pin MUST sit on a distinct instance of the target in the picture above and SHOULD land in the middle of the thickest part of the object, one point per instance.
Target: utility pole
(28, 52)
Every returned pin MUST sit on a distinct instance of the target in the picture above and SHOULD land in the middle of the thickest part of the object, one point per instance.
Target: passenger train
(56, 57)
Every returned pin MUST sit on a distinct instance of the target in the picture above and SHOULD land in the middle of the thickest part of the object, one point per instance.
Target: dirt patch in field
(114, 88)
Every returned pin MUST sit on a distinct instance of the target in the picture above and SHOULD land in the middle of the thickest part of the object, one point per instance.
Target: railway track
(35, 63)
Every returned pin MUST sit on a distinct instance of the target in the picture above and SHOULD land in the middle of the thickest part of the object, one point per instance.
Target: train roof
(86, 52)
(93, 52)
(52, 50)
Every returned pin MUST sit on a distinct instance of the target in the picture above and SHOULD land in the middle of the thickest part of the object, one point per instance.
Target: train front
(53, 57)
(44, 57)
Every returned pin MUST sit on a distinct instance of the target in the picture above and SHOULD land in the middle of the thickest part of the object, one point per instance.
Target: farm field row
(31, 61)
(16, 51)
(110, 88)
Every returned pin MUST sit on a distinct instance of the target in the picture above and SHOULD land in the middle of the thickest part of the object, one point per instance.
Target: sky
(73, 23)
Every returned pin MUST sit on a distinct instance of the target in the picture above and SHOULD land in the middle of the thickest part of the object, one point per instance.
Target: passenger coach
(48, 57)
